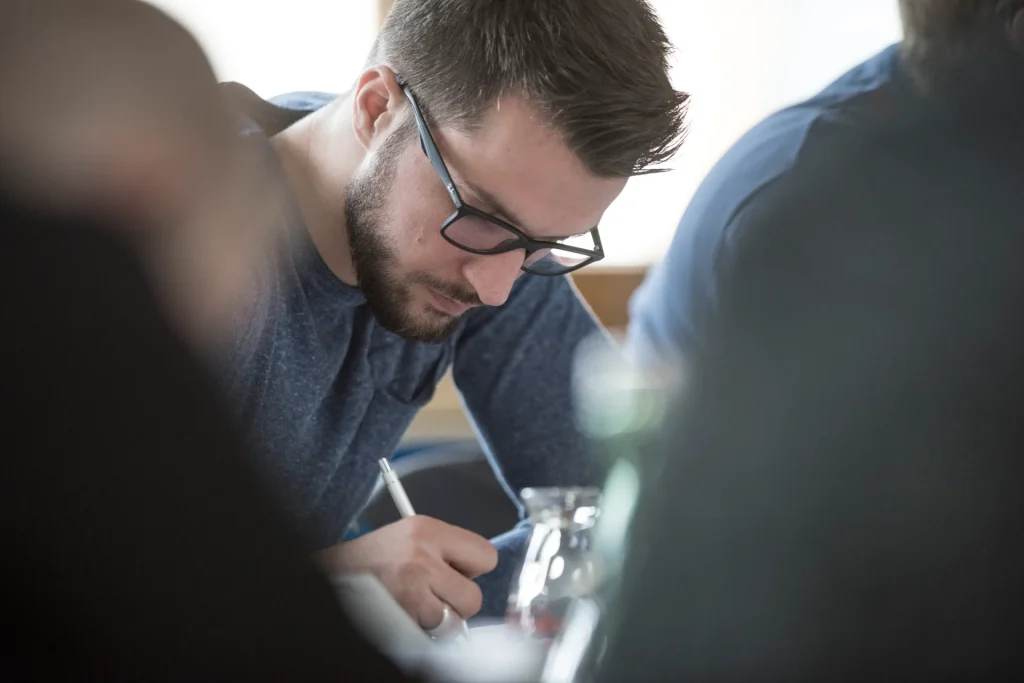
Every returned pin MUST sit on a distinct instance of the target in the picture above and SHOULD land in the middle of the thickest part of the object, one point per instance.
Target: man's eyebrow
(494, 205)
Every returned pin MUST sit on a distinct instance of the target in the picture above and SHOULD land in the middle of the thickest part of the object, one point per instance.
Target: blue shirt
(325, 391)
(671, 309)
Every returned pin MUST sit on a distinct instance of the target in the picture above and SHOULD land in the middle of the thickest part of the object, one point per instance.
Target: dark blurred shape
(839, 498)
(138, 542)
(111, 107)
(950, 43)
(84, 78)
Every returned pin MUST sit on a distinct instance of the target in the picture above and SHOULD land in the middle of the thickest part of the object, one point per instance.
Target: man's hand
(423, 563)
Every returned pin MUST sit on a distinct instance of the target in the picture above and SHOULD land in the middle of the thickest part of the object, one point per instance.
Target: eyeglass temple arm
(430, 147)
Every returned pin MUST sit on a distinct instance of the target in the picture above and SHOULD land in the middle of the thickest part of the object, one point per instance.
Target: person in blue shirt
(434, 212)
(838, 490)
(672, 308)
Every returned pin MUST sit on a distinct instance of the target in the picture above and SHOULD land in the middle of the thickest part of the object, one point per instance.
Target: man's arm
(513, 366)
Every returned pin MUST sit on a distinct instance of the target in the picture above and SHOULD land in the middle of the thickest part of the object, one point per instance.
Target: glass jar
(560, 565)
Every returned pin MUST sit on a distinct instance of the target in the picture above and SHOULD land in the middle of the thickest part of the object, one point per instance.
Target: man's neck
(319, 155)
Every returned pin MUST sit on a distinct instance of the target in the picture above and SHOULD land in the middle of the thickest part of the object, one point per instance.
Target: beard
(389, 295)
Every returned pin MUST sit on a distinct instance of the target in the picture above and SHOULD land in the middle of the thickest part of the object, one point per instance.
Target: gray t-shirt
(325, 391)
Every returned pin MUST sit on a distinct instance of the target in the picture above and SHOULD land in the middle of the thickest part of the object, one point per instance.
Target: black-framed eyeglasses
(478, 232)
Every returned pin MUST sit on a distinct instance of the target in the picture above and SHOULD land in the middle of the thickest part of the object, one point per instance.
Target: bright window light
(277, 46)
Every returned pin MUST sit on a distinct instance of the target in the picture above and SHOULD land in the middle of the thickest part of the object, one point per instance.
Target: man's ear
(378, 105)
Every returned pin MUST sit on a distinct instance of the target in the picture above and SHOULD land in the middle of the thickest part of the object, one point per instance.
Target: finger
(449, 622)
(428, 611)
(461, 593)
(471, 554)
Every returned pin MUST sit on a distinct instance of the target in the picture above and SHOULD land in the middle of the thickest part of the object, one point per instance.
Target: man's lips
(445, 305)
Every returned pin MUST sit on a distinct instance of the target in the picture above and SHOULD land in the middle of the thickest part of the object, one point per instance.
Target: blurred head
(540, 111)
(943, 38)
(112, 109)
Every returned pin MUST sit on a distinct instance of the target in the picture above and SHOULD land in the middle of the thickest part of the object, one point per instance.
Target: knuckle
(407, 599)
(412, 573)
(412, 596)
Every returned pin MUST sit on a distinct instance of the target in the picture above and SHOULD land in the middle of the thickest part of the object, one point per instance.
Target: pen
(396, 489)
(404, 506)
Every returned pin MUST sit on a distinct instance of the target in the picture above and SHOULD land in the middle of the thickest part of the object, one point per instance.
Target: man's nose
(492, 276)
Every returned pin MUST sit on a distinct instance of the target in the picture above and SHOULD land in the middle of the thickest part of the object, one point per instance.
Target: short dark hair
(945, 36)
(597, 70)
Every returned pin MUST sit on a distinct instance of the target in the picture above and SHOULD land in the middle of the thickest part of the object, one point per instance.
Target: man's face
(416, 282)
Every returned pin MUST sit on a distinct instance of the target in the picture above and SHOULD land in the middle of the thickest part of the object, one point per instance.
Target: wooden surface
(606, 291)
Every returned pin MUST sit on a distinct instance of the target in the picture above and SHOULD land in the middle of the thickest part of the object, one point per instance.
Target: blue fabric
(671, 308)
(325, 391)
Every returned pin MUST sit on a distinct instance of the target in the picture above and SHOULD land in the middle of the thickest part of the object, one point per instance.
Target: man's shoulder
(761, 169)
(303, 100)
(271, 116)
(776, 145)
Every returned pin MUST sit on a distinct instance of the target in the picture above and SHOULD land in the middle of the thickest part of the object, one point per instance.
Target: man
(482, 143)
(139, 542)
(840, 496)
(676, 302)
